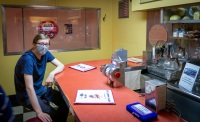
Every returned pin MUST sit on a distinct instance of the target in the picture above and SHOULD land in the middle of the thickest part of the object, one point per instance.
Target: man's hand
(44, 117)
(50, 80)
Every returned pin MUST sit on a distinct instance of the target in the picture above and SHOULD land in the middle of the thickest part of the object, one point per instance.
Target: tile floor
(22, 114)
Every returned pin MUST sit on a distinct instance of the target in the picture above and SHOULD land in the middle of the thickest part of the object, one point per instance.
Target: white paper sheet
(82, 67)
(188, 76)
(94, 97)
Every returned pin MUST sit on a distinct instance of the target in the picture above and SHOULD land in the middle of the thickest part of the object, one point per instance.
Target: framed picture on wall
(123, 8)
(68, 28)
(147, 1)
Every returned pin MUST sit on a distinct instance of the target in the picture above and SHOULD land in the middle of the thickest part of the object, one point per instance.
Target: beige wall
(128, 33)
(157, 4)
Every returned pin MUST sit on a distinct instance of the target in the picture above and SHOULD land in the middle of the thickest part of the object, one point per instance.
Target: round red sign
(48, 28)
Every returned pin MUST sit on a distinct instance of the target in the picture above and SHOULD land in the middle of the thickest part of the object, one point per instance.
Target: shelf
(184, 38)
(182, 21)
(181, 14)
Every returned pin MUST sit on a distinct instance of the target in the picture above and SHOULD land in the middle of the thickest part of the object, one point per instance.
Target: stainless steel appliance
(115, 71)
(168, 65)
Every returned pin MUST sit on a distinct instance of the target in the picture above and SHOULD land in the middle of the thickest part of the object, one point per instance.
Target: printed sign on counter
(94, 97)
(189, 76)
(82, 67)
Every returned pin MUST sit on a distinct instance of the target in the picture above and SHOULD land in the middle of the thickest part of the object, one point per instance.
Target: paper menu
(82, 67)
(136, 60)
(94, 97)
(188, 76)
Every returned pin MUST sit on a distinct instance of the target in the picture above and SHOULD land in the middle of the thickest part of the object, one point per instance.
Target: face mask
(42, 49)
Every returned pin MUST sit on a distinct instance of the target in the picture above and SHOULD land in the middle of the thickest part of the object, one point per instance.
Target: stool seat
(35, 119)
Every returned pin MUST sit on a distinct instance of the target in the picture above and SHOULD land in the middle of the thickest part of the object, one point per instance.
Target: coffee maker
(166, 63)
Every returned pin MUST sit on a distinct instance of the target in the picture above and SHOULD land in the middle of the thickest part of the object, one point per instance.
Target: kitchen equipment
(115, 71)
(118, 72)
(169, 67)
(157, 37)
(181, 54)
(147, 57)
(171, 64)
(155, 94)
(169, 75)
(156, 33)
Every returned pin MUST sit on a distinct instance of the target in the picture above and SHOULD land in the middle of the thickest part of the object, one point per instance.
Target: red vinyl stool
(35, 119)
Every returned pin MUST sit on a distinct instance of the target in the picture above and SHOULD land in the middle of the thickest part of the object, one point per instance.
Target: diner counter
(70, 80)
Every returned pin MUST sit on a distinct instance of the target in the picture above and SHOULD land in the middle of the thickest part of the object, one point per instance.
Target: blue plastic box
(141, 112)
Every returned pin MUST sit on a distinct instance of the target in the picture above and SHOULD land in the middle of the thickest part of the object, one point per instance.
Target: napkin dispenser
(155, 95)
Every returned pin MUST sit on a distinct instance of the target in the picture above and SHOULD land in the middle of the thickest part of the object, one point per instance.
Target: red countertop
(71, 80)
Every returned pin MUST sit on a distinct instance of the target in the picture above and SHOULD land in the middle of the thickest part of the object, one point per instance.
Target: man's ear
(33, 45)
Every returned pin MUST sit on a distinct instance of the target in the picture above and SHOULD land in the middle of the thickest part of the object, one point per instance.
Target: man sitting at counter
(29, 74)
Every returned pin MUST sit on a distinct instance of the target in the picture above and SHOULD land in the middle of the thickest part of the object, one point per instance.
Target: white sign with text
(188, 76)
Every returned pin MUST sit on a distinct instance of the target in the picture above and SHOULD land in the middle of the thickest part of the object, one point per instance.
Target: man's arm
(59, 68)
(33, 99)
